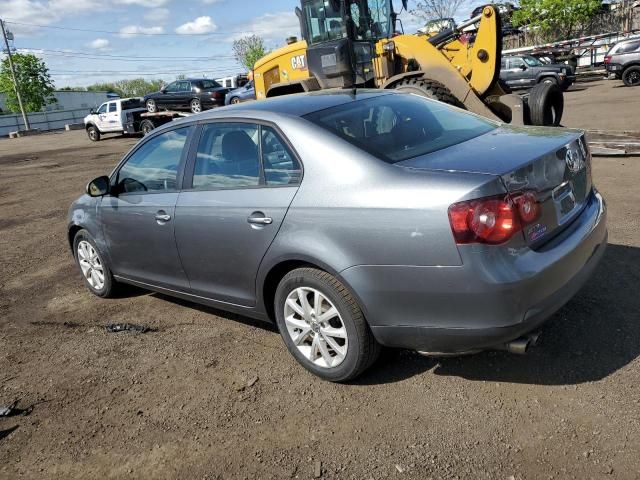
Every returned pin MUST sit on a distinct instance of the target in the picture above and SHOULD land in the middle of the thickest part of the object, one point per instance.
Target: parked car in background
(525, 71)
(242, 94)
(352, 220)
(623, 60)
(194, 94)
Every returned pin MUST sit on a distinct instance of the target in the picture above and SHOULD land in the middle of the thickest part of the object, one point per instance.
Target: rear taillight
(607, 59)
(216, 95)
(492, 220)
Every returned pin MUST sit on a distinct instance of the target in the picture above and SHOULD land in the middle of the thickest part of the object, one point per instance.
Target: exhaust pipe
(520, 346)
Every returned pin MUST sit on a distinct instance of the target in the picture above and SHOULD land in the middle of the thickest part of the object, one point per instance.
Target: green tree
(556, 19)
(32, 75)
(136, 87)
(248, 50)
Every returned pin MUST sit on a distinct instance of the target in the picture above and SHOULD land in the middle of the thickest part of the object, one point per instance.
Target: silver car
(352, 219)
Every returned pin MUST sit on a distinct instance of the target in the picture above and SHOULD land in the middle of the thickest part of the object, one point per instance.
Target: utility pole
(15, 81)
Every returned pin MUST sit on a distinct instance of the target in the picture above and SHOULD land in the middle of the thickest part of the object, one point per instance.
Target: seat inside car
(240, 155)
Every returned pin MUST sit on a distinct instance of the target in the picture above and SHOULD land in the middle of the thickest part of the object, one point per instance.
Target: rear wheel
(323, 326)
(93, 133)
(151, 105)
(430, 89)
(546, 104)
(631, 76)
(146, 126)
(195, 106)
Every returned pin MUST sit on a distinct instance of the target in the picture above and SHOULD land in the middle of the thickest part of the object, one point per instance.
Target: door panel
(141, 247)
(219, 247)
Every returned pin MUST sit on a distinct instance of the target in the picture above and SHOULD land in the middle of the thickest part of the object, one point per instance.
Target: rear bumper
(494, 297)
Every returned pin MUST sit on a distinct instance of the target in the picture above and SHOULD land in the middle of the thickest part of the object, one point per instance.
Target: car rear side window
(280, 166)
(629, 47)
(227, 157)
(154, 166)
(113, 107)
(396, 127)
(209, 84)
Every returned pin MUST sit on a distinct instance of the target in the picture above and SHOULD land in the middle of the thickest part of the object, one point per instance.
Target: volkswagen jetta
(352, 220)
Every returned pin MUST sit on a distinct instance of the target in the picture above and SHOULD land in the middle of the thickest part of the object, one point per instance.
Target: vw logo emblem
(572, 159)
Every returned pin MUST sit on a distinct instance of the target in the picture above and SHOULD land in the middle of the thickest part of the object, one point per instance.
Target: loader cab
(341, 37)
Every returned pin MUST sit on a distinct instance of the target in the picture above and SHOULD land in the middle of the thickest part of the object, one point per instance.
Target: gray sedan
(352, 220)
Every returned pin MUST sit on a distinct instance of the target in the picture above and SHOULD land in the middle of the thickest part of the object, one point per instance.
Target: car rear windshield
(397, 127)
(209, 84)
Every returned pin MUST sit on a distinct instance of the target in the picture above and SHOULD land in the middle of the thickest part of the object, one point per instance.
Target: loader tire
(546, 104)
(429, 89)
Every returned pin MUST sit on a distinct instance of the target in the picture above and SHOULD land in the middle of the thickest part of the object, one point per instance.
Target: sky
(90, 41)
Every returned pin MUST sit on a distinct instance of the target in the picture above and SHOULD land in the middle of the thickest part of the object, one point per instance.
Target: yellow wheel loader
(356, 44)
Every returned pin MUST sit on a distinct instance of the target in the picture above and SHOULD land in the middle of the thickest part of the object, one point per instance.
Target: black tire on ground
(195, 106)
(152, 106)
(93, 133)
(546, 104)
(631, 76)
(234, 100)
(146, 126)
(362, 349)
(110, 285)
(430, 89)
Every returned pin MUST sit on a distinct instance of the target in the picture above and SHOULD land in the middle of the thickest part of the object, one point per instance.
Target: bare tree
(436, 9)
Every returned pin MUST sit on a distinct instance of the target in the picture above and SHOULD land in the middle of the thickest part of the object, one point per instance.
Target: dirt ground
(211, 395)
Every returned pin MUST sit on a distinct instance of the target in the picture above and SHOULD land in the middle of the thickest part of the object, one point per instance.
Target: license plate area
(564, 200)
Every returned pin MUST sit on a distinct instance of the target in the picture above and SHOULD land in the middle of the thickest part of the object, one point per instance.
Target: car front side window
(172, 87)
(154, 166)
(102, 109)
(227, 157)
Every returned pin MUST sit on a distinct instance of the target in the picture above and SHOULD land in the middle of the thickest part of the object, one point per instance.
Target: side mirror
(523, 67)
(98, 187)
(92, 111)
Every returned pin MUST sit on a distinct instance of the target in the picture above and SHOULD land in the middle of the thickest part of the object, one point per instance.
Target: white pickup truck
(124, 116)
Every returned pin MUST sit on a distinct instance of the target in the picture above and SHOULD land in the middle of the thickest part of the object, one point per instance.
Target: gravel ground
(211, 395)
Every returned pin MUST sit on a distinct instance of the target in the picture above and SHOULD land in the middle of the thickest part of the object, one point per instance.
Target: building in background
(69, 100)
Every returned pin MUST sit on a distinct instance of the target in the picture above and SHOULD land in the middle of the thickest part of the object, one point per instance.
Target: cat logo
(299, 62)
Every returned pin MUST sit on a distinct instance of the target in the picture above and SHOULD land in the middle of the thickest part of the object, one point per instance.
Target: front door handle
(162, 217)
(260, 220)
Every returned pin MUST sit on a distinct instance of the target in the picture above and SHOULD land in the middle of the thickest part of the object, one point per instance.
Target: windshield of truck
(371, 19)
(532, 61)
(324, 23)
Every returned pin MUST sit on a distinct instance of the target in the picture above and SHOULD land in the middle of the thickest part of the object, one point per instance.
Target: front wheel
(631, 76)
(323, 326)
(235, 100)
(93, 133)
(93, 265)
(195, 106)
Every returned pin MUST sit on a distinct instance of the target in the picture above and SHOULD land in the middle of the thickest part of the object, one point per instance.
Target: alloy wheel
(151, 106)
(91, 265)
(195, 106)
(634, 78)
(315, 327)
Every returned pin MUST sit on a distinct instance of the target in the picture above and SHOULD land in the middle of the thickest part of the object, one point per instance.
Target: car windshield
(532, 61)
(397, 127)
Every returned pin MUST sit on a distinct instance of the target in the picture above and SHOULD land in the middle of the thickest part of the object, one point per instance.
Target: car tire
(146, 126)
(341, 345)
(234, 101)
(550, 80)
(631, 76)
(152, 106)
(545, 105)
(430, 89)
(93, 266)
(93, 133)
(195, 106)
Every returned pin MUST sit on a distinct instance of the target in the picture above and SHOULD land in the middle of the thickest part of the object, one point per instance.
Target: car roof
(300, 104)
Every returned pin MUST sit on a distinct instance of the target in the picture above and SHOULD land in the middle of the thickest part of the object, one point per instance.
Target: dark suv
(623, 60)
(524, 71)
(195, 94)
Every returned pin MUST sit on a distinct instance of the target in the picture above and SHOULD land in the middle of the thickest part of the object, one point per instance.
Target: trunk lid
(555, 164)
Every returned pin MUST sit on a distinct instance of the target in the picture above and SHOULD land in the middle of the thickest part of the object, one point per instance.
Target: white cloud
(130, 30)
(199, 26)
(144, 3)
(157, 15)
(211, 2)
(272, 27)
(99, 44)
